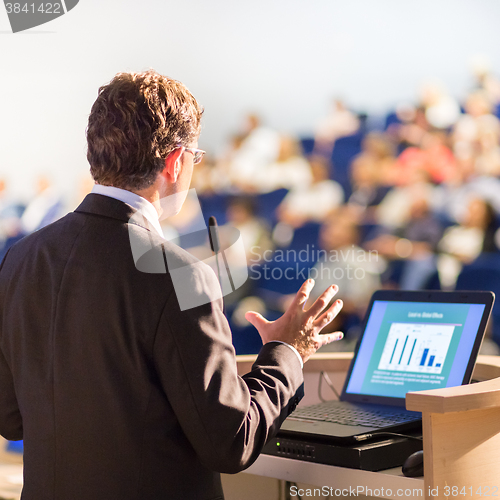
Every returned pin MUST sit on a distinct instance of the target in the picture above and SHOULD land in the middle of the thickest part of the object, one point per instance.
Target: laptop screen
(414, 346)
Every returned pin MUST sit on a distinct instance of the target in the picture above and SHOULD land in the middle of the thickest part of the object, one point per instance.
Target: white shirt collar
(143, 206)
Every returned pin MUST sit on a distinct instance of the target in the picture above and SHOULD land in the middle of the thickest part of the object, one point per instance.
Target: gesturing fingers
(322, 301)
(303, 293)
(329, 337)
(329, 315)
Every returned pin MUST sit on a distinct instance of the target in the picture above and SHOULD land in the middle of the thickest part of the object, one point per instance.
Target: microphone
(213, 234)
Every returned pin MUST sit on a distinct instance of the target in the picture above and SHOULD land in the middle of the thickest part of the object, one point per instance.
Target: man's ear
(173, 165)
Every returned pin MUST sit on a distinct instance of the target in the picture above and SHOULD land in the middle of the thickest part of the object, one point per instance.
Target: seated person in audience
(371, 174)
(412, 129)
(477, 133)
(415, 242)
(207, 178)
(450, 199)
(10, 212)
(395, 209)
(256, 148)
(488, 156)
(254, 230)
(256, 238)
(46, 207)
(441, 109)
(485, 79)
(291, 170)
(5, 201)
(462, 243)
(223, 171)
(314, 202)
(10, 219)
(478, 116)
(433, 156)
(339, 123)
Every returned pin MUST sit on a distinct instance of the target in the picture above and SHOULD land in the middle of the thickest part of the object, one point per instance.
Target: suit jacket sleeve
(226, 418)
(11, 426)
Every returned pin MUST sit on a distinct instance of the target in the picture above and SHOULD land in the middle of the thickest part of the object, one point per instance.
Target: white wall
(285, 58)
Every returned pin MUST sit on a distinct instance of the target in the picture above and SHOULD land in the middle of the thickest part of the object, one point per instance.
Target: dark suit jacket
(117, 392)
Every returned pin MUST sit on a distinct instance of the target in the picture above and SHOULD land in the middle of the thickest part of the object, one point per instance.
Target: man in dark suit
(118, 392)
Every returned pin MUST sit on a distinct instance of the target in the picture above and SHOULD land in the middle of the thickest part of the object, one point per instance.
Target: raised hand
(301, 327)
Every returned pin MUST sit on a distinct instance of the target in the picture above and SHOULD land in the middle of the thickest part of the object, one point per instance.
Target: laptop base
(371, 456)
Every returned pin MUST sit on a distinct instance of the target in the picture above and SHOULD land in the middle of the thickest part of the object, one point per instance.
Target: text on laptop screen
(414, 346)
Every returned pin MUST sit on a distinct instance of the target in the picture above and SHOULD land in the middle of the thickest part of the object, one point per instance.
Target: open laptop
(411, 341)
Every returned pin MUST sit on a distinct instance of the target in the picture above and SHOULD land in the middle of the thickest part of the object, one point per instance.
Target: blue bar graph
(411, 353)
(403, 351)
(416, 347)
(424, 357)
(394, 350)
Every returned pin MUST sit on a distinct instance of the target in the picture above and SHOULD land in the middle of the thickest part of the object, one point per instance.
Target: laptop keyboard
(328, 412)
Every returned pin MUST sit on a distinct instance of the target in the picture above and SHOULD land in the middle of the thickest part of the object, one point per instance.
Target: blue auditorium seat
(305, 237)
(307, 145)
(290, 267)
(267, 203)
(433, 283)
(344, 151)
(216, 205)
(281, 278)
(391, 119)
(246, 339)
(15, 446)
(484, 274)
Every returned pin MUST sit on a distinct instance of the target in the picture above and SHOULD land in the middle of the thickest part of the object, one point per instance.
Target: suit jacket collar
(105, 206)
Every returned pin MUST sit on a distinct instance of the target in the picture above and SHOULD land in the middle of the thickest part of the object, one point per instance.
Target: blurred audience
(345, 263)
(477, 133)
(418, 200)
(485, 79)
(290, 170)
(339, 123)
(46, 207)
(314, 201)
(255, 232)
(463, 243)
(18, 219)
(253, 150)
(372, 174)
(394, 211)
(433, 156)
(415, 242)
(410, 127)
(441, 109)
(10, 218)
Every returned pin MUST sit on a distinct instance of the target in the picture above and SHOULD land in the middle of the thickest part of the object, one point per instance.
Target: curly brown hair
(136, 121)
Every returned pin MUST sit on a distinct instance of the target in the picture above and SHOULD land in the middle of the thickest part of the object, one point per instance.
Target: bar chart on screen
(416, 347)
